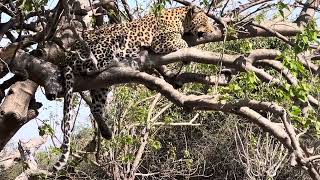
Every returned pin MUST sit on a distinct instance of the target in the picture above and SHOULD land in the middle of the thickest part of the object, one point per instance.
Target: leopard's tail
(67, 124)
(100, 99)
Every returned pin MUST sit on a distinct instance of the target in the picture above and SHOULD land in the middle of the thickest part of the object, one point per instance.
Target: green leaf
(287, 86)
(55, 150)
(232, 32)
(281, 6)
(305, 39)
(260, 17)
(46, 129)
(127, 158)
(127, 139)
(234, 87)
(295, 110)
(26, 6)
(156, 145)
(246, 46)
(205, 3)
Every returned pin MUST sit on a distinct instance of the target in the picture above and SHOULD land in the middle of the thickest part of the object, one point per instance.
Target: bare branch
(312, 158)
(144, 139)
(280, 68)
(127, 9)
(26, 153)
(6, 10)
(307, 12)
(184, 2)
(244, 7)
(275, 33)
(183, 78)
(249, 31)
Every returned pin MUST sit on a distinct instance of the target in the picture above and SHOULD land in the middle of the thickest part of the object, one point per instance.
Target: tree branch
(14, 109)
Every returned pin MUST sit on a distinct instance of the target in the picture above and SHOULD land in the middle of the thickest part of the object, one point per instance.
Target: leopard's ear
(193, 10)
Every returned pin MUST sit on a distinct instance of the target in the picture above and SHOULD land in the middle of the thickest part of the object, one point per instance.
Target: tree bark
(14, 109)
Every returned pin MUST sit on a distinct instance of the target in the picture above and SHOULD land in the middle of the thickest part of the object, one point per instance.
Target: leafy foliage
(281, 6)
(32, 5)
(159, 5)
(46, 129)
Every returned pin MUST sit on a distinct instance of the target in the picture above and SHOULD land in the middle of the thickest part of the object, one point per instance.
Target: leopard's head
(198, 23)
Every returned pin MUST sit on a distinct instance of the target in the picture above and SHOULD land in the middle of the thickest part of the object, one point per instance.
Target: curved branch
(249, 31)
(183, 78)
(280, 68)
(192, 102)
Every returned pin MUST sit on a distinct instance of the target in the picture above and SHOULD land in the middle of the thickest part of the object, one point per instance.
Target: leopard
(111, 45)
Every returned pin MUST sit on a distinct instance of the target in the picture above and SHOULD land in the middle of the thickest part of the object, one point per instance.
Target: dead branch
(144, 138)
(25, 153)
(244, 7)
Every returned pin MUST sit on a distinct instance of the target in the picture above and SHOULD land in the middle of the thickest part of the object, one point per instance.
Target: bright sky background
(52, 110)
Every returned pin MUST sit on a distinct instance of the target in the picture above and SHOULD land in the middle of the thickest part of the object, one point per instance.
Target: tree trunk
(14, 109)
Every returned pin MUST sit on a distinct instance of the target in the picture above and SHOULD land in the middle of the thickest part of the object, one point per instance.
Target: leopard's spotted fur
(123, 43)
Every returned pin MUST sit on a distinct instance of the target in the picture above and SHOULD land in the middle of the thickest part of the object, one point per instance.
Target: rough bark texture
(14, 109)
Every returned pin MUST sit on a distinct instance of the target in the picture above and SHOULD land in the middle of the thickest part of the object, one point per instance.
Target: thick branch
(14, 109)
(249, 31)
